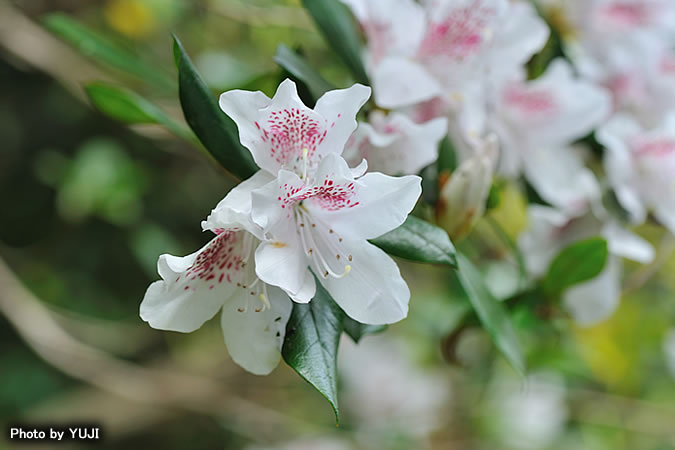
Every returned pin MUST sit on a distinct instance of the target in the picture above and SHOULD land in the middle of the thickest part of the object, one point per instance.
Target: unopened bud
(464, 193)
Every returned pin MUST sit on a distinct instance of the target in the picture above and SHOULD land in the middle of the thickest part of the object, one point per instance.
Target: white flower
(283, 133)
(221, 275)
(315, 212)
(437, 48)
(640, 165)
(463, 197)
(394, 144)
(549, 112)
(550, 231)
(322, 223)
(616, 42)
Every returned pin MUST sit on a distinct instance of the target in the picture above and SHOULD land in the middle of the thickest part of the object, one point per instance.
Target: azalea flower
(464, 195)
(550, 231)
(394, 144)
(283, 133)
(221, 275)
(439, 48)
(323, 223)
(640, 165)
(615, 42)
(549, 112)
(316, 214)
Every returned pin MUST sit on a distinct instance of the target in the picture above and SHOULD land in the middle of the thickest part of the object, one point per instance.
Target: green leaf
(214, 129)
(127, 106)
(491, 313)
(311, 344)
(575, 264)
(357, 330)
(420, 241)
(298, 66)
(99, 48)
(341, 32)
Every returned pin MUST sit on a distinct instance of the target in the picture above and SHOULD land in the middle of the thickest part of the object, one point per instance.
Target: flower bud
(463, 193)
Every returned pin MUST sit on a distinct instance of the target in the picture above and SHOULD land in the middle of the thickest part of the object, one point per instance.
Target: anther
(240, 309)
(350, 258)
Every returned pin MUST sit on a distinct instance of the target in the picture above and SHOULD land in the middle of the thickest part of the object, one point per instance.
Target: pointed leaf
(298, 66)
(311, 343)
(357, 330)
(575, 264)
(420, 241)
(102, 49)
(214, 129)
(127, 106)
(491, 313)
(341, 32)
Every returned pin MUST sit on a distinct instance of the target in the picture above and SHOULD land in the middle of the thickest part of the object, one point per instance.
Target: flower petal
(594, 301)
(399, 82)
(374, 205)
(273, 202)
(235, 208)
(623, 243)
(275, 131)
(282, 262)
(193, 288)
(254, 338)
(373, 291)
(339, 108)
(391, 139)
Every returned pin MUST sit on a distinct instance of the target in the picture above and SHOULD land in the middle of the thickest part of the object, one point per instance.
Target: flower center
(322, 245)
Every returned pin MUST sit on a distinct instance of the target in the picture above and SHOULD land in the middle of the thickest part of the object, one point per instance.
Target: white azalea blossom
(550, 231)
(640, 165)
(463, 197)
(315, 212)
(537, 121)
(221, 275)
(439, 48)
(323, 223)
(394, 144)
(618, 43)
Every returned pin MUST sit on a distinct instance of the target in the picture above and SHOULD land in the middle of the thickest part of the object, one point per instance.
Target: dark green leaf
(93, 45)
(447, 156)
(577, 263)
(341, 32)
(214, 129)
(311, 343)
(357, 330)
(491, 313)
(420, 241)
(127, 106)
(298, 66)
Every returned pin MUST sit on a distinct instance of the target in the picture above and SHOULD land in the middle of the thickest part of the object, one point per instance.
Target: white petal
(541, 241)
(275, 131)
(619, 164)
(623, 243)
(521, 34)
(273, 202)
(282, 262)
(379, 204)
(396, 145)
(373, 291)
(561, 178)
(254, 339)
(401, 82)
(194, 287)
(235, 208)
(594, 301)
(339, 108)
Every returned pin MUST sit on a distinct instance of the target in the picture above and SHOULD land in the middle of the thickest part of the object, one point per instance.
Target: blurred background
(89, 204)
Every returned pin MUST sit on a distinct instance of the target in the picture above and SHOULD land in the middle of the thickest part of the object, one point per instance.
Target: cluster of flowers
(305, 213)
(460, 66)
(437, 68)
